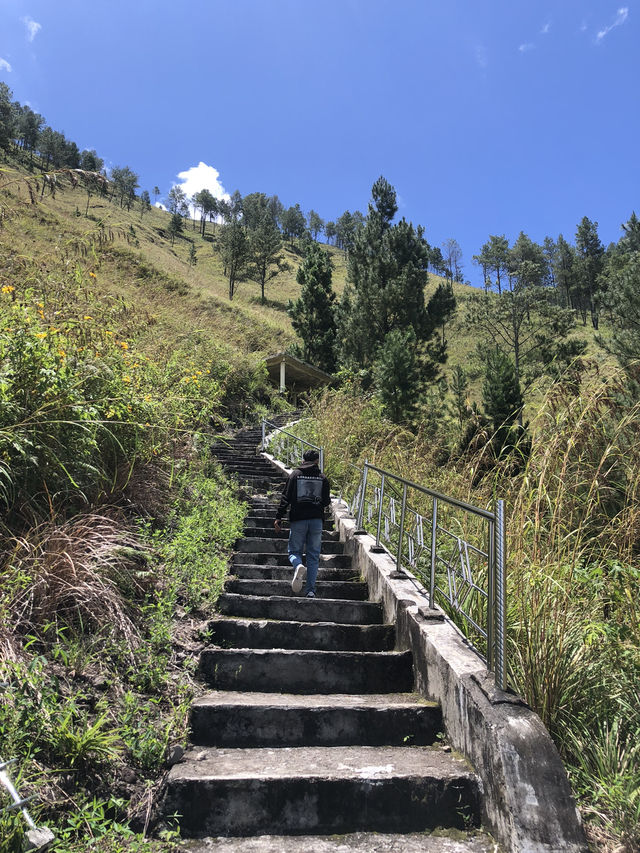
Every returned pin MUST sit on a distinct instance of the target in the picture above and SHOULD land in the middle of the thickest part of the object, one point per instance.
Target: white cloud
(546, 28)
(33, 27)
(202, 177)
(525, 48)
(621, 17)
(4, 65)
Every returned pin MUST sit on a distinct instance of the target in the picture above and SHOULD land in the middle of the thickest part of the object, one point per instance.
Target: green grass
(141, 355)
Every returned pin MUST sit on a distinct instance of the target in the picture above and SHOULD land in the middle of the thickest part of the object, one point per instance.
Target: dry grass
(573, 574)
(578, 497)
(78, 573)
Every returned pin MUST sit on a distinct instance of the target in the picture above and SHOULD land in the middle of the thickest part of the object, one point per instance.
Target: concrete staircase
(312, 737)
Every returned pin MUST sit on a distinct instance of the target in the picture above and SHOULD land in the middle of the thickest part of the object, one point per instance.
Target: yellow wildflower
(126, 379)
(62, 353)
(93, 275)
(41, 334)
(124, 344)
(8, 288)
(88, 317)
(107, 332)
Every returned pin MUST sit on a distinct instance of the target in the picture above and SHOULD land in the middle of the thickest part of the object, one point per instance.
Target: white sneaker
(298, 578)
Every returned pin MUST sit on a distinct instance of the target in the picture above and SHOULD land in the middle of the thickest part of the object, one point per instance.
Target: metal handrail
(290, 435)
(461, 585)
(38, 839)
(476, 510)
(459, 573)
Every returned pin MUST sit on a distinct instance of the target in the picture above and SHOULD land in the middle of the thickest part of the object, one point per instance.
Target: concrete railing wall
(528, 805)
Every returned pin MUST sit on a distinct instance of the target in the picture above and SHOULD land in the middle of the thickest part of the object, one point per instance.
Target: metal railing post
(401, 536)
(322, 458)
(501, 595)
(263, 437)
(491, 596)
(380, 513)
(365, 472)
(434, 531)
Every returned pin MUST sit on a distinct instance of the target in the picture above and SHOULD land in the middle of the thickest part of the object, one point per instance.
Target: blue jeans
(306, 532)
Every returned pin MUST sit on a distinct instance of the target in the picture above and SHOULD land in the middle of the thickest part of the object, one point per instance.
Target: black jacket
(306, 493)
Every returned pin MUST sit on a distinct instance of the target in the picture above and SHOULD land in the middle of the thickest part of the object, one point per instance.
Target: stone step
(263, 484)
(325, 790)
(241, 447)
(348, 590)
(239, 452)
(306, 671)
(258, 558)
(266, 479)
(265, 546)
(256, 467)
(285, 573)
(263, 474)
(266, 519)
(301, 609)
(250, 440)
(270, 532)
(469, 841)
(233, 719)
(268, 634)
(252, 470)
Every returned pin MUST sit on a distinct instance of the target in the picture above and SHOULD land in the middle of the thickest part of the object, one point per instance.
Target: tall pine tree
(387, 275)
(397, 374)
(589, 266)
(313, 313)
(501, 395)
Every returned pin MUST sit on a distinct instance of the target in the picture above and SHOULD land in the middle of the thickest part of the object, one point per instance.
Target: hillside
(120, 359)
(138, 263)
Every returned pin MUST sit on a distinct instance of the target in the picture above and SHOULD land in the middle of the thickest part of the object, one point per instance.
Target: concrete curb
(527, 800)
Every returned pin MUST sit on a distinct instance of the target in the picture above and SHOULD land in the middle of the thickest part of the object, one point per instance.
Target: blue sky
(488, 116)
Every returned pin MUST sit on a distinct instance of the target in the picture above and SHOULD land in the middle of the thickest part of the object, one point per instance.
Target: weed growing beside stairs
(99, 624)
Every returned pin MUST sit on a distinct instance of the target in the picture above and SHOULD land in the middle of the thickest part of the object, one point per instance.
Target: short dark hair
(311, 456)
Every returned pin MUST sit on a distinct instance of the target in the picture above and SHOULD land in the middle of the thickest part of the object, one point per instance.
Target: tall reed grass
(573, 525)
